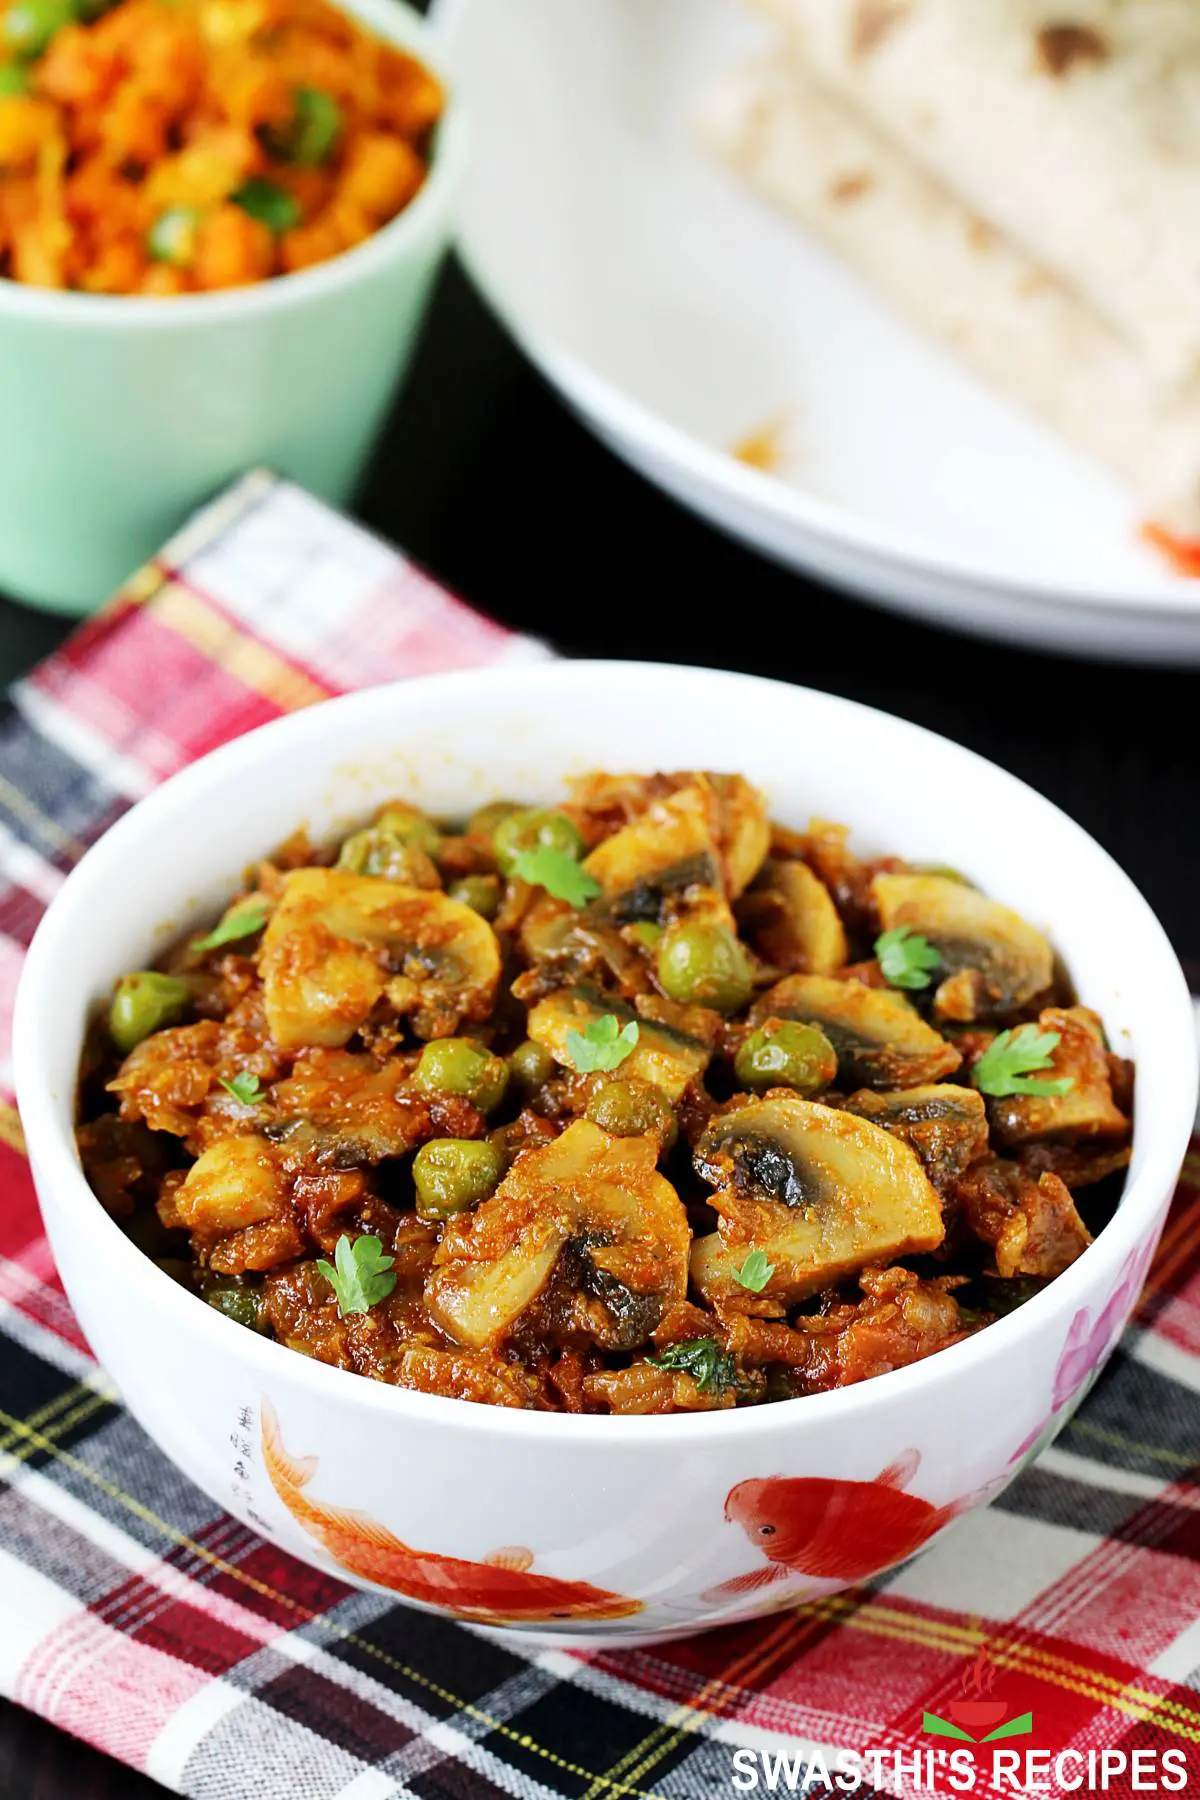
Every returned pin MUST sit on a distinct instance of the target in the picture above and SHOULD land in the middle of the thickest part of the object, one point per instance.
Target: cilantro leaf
(710, 1367)
(906, 957)
(755, 1272)
(558, 873)
(244, 1087)
(267, 202)
(243, 922)
(1004, 1068)
(362, 1277)
(602, 1044)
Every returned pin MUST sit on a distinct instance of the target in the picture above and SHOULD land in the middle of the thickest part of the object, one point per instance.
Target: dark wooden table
(488, 480)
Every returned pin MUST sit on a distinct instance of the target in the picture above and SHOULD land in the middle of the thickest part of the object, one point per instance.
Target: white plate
(678, 315)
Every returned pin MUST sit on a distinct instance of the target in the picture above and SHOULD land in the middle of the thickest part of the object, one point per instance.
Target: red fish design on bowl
(503, 1589)
(830, 1529)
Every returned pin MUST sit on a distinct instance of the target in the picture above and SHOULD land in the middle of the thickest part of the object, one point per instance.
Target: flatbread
(1073, 129)
(911, 238)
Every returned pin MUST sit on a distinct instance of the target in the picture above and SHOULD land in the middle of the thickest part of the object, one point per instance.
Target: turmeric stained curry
(168, 147)
(641, 1104)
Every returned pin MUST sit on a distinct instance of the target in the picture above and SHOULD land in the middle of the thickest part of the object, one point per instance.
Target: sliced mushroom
(709, 831)
(337, 943)
(559, 940)
(338, 1109)
(969, 931)
(791, 920)
(820, 1192)
(595, 1199)
(881, 1040)
(1087, 1109)
(669, 849)
(548, 931)
(667, 1058)
(946, 1126)
(743, 830)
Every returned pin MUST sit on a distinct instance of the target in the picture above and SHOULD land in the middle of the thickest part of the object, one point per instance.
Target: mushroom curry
(640, 1104)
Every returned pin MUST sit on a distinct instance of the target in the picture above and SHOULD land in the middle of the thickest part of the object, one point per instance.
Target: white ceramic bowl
(624, 1518)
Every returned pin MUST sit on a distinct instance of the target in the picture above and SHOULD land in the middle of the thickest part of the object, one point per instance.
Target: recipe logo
(976, 1716)
(978, 1721)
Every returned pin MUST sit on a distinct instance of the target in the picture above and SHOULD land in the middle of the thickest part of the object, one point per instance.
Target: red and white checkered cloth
(134, 1615)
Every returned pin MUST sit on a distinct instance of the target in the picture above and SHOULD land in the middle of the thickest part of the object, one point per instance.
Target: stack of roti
(1023, 178)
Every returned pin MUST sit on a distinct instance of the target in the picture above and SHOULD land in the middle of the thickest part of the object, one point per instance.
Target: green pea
(241, 1304)
(531, 1066)
(633, 1109)
(411, 826)
(534, 827)
(480, 892)
(451, 1174)
(13, 80)
(705, 964)
(457, 1066)
(786, 1054)
(382, 853)
(28, 25)
(143, 1003)
(172, 237)
(646, 933)
(484, 820)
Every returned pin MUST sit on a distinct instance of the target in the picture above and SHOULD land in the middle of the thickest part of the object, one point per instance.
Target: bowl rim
(400, 24)
(50, 1138)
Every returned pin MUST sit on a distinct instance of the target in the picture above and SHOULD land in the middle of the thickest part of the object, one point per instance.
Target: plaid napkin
(134, 1615)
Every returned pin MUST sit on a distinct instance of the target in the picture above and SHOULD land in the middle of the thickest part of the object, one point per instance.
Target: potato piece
(946, 1126)
(336, 940)
(600, 1195)
(234, 1183)
(792, 922)
(667, 1058)
(881, 1040)
(969, 931)
(821, 1192)
(1087, 1109)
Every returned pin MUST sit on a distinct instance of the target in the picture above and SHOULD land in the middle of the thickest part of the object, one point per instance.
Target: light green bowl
(120, 415)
